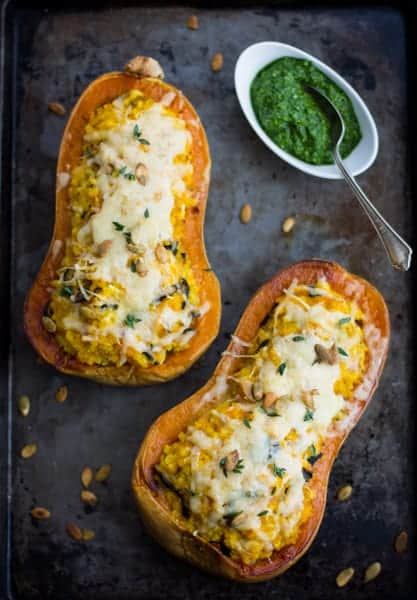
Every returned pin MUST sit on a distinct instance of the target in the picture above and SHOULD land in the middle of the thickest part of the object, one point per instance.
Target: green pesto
(291, 117)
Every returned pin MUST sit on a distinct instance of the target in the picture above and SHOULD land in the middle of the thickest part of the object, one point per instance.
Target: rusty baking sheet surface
(55, 55)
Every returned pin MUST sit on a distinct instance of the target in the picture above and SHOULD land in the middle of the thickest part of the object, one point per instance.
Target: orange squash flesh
(101, 91)
(156, 515)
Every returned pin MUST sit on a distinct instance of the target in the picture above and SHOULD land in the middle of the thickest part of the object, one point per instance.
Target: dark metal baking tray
(51, 54)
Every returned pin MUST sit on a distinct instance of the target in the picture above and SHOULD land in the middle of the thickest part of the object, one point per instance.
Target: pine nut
(288, 224)
(344, 577)
(217, 62)
(193, 22)
(245, 214)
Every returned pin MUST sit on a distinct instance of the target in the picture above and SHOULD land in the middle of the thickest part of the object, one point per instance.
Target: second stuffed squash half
(126, 294)
(234, 478)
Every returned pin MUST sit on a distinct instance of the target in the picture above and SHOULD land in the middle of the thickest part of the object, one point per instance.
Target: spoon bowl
(337, 124)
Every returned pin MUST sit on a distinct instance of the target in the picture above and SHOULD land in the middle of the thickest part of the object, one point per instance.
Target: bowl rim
(322, 171)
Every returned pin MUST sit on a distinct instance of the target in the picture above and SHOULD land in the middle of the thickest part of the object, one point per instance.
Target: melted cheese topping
(126, 290)
(242, 470)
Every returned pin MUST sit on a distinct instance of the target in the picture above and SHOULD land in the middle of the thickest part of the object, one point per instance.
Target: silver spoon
(399, 252)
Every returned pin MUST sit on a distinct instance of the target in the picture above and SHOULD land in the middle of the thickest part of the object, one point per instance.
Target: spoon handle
(399, 252)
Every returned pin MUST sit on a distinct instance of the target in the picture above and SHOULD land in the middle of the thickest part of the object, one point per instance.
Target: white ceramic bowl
(257, 56)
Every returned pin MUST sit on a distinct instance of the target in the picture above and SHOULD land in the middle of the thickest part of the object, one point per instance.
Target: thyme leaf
(128, 236)
(131, 320)
(278, 471)
(309, 416)
(344, 321)
(123, 171)
(66, 291)
(282, 368)
(222, 465)
(138, 135)
(273, 413)
(240, 465)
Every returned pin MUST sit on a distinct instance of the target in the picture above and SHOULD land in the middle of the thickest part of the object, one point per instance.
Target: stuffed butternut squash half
(234, 478)
(126, 294)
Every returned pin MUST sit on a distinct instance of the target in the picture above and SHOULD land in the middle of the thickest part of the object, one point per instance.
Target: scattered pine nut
(61, 394)
(141, 270)
(288, 224)
(217, 62)
(193, 22)
(307, 396)
(89, 497)
(401, 542)
(24, 405)
(161, 254)
(57, 108)
(49, 324)
(257, 391)
(86, 476)
(344, 492)
(245, 213)
(104, 247)
(40, 513)
(269, 399)
(28, 451)
(103, 473)
(231, 461)
(74, 531)
(372, 572)
(88, 535)
(344, 577)
(141, 173)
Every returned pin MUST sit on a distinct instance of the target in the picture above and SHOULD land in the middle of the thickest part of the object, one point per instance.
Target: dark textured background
(56, 55)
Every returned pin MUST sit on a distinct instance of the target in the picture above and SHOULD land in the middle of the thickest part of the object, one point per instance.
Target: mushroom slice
(326, 355)
(104, 247)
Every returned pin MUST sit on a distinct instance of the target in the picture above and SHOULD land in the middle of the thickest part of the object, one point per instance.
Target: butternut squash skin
(166, 428)
(101, 91)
